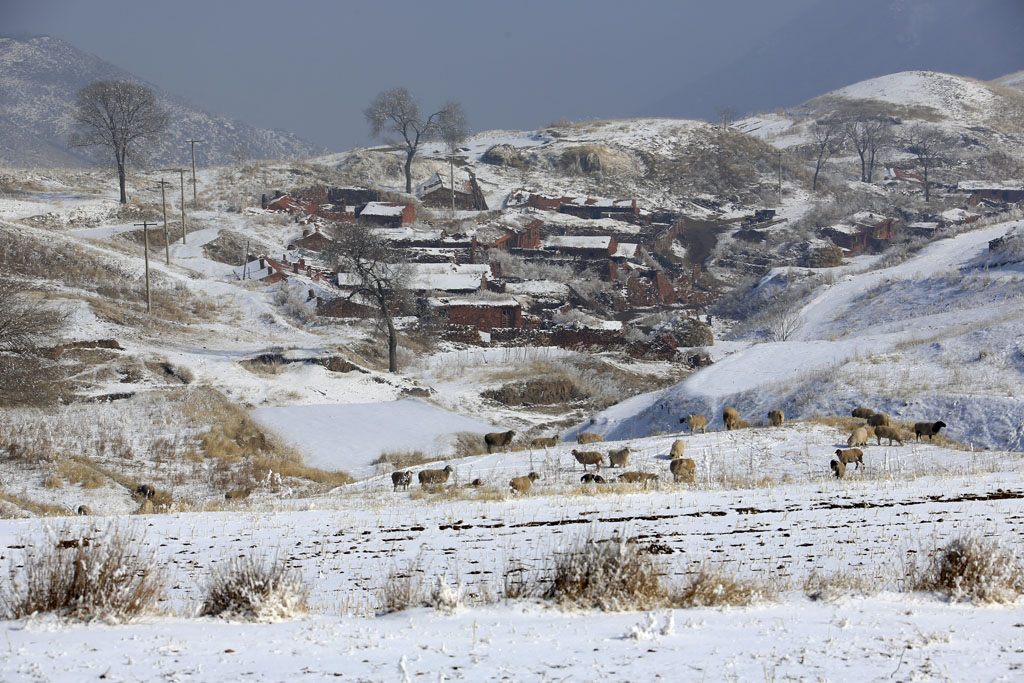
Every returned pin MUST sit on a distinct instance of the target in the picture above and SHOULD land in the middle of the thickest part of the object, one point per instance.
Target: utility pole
(145, 235)
(163, 202)
(181, 177)
(451, 179)
(780, 176)
(195, 200)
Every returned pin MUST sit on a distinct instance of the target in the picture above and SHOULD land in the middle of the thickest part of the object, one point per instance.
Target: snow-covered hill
(39, 78)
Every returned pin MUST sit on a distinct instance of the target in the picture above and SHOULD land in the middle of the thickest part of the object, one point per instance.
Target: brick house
(1010, 191)
(263, 269)
(483, 314)
(867, 232)
(387, 214)
(437, 192)
(582, 246)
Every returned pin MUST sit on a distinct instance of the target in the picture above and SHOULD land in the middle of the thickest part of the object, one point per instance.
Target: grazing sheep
(401, 480)
(682, 469)
(879, 420)
(863, 413)
(591, 478)
(477, 483)
(588, 458)
(886, 432)
(545, 442)
(429, 477)
(83, 510)
(588, 437)
(776, 417)
(498, 440)
(731, 418)
(146, 491)
(619, 458)
(928, 429)
(850, 455)
(859, 437)
(637, 478)
(678, 448)
(522, 485)
(695, 422)
(838, 469)
(238, 494)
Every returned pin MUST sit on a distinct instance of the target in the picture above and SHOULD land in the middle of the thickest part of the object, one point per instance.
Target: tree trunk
(392, 344)
(120, 180)
(926, 183)
(863, 173)
(408, 169)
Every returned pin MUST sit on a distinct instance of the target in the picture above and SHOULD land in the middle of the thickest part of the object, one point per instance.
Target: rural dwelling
(351, 196)
(1009, 191)
(581, 207)
(868, 231)
(582, 246)
(483, 313)
(436, 192)
(312, 240)
(449, 278)
(263, 269)
(387, 214)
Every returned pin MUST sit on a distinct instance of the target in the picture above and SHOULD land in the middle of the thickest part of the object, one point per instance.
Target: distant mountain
(39, 79)
(1014, 80)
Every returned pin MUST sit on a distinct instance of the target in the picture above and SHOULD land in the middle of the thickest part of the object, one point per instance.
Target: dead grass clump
(40, 509)
(107, 577)
(77, 472)
(609, 575)
(403, 459)
(971, 569)
(829, 587)
(542, 390)
(249, 589)
(468, 444)
(714, 587)
(53, 481)
(266, 466)
(453, 492)
(402, 589)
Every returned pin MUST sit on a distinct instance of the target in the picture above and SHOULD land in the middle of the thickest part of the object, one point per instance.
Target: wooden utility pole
(780, 176)
(145, 241)
(195, 200)
(181, 177)
(451, 180)
(163, 202)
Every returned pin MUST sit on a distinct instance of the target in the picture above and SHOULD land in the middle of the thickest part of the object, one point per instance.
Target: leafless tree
(396, 111)
(827, 139)
(727, 115)
(27, 376)
(870, 136)
(120, 115)
(379, 276)
(453, 130)
(931, 147)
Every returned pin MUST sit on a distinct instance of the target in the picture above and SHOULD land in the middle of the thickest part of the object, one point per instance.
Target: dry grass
(608, 575)
(107, 577)
(403, 459)
(40, 509)
(713, 587)
(265, 466)
(829, 587)
(77, 472)
(468, 444)
(455, 492)
(249, 589)
(53, 481)
(971, 569)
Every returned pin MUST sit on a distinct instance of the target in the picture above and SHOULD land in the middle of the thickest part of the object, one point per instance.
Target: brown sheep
(863, 413)
(545, 442)
(591, 478)
(850, 455)
(401, 480)
(619, 458)
(522, 485)
(859, 437)
(682, 469)
(588, 437)
(776, 417)
(886, 432)
(145, 490)
(637, 478)
(695, 422)
(588, 458)
(879, 420)
(428, 477)
(238, 494)
(83, 510)
(731, 418)
(678, 448)
(477, 483)
(498, 440)
(838, 469)
(928, 429)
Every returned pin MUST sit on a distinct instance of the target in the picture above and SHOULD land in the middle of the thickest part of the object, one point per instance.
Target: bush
(609, 575)
(712, 587)
(252, 589)
(107, 578)
(972, 569)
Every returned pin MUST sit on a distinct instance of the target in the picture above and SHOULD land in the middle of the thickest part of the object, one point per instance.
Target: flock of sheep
(878, 425)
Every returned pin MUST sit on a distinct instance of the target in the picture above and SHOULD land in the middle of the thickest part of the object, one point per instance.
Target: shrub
(250, 589)
(972, 569)
(609, 575)
(402, 589)
(713, 587)
(108, 577)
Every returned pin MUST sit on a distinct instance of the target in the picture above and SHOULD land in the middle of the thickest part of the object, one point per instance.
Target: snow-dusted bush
(106, 577)
(251, 589)
(714, 587)
(971, 569)
(608, 575)
(294, 301)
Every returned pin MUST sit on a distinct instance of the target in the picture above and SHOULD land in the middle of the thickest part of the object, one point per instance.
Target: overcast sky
(312, 66)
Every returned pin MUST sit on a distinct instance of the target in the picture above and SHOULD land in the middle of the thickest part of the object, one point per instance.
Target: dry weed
(971, 569)
(250, 589)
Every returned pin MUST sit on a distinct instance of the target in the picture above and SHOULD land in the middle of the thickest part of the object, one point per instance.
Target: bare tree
(27, 375)
(727, 115)
(378, 275)
(396, 111)
(453, 129)
(931, 147)
(869, 137)
(828, 139)
(120, 115)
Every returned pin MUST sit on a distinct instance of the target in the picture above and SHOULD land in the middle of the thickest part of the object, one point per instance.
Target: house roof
(626, 250)
(489, 302)
(440, 181)
(578, 242)
(383, 209)
(981, 185)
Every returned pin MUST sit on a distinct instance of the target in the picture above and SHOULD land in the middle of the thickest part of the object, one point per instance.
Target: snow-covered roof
(976, 185)
(578, 242)
(844, 228)
(491, 301)
(463, 268)
(440, 181)
(626, 250)
(445, 281)
(383, 209)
